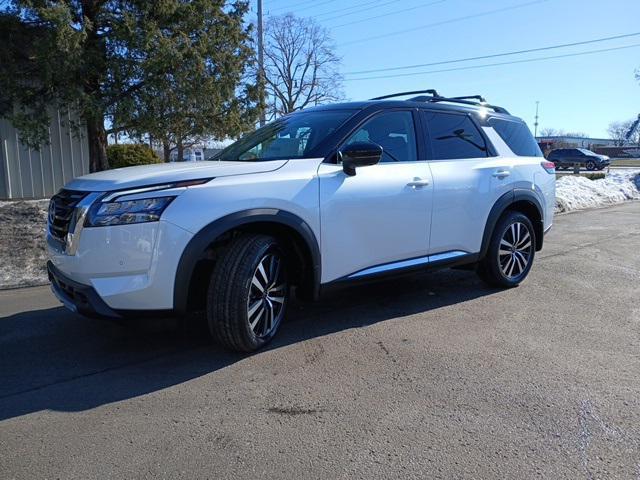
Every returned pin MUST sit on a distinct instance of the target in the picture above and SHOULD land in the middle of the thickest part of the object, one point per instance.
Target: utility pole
(261, 56)
(535, 125)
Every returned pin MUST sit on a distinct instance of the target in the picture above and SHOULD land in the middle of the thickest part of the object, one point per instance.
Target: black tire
(233, 292)
(494, 268)
(591, 165)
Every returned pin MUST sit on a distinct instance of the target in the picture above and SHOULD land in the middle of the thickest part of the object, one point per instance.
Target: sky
(583, 93)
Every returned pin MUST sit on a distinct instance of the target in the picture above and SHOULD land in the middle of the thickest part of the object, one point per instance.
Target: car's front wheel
(510, 253)
(591, 165)
(248, 293)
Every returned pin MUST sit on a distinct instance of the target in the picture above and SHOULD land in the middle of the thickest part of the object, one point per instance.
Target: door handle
(418, 182)
(501, 173)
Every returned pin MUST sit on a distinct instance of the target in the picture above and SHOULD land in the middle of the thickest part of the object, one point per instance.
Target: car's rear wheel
(591, 165)
(510, 253)
(248, 293)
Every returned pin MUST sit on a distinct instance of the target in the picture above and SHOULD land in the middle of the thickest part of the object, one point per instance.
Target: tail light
(550, 167)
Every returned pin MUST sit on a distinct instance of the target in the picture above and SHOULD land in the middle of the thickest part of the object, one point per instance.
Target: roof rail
(431, 91)
(434, 97)
(465, 100)
(480, 98)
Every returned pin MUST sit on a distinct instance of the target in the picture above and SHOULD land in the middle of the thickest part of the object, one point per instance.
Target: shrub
(594, 176)
(128, 155)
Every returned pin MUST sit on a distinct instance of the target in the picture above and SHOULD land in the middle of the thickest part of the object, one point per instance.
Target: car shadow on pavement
(54, 360)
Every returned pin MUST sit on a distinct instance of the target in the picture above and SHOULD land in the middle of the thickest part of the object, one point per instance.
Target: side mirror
(359, 154)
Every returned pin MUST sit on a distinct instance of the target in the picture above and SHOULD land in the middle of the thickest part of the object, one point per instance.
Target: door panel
(466, 182)
(380, 215)
(465, 190)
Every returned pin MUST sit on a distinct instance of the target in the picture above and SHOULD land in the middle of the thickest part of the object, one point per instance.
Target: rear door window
(517, 136)
(454, 136)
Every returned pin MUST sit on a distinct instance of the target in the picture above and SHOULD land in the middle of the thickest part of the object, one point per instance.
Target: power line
(503, 54)
(445, 22)
(294, 5)
(357, 8)
(297, 6)
(389, 14)
(512, 62)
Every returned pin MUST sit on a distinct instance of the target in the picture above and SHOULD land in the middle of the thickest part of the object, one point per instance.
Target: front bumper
(129, 267)
(77, 297)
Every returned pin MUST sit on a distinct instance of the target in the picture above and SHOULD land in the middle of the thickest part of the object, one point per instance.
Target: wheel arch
(520, 200)
(198, 256)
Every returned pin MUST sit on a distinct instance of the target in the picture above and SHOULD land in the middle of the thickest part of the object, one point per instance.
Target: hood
(140, 176)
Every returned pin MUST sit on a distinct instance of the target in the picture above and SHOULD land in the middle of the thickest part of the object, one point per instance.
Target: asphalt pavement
(431, 376)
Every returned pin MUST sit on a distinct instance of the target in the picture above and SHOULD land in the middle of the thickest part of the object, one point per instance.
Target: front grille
(61, 209)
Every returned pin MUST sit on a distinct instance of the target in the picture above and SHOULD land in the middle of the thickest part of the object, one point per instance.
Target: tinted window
(293, 136)
(454, 136)
(517, 136)
(394, 132)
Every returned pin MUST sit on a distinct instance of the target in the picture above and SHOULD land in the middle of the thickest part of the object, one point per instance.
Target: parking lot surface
(431, 376)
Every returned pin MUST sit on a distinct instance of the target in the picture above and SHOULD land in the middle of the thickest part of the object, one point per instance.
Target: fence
(39, 173)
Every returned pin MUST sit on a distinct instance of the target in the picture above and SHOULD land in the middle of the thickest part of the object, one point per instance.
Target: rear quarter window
(517, 136)
(454, 136)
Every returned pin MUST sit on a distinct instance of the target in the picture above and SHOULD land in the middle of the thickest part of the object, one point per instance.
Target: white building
(191, 154)
(578, 142)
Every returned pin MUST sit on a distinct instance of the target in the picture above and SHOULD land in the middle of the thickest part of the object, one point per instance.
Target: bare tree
(301, 67)
(551, 132)
(617, 131)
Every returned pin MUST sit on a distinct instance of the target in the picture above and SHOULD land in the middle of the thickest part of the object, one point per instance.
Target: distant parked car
(566, 157)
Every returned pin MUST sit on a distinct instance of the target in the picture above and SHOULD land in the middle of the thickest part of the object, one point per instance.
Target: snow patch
(577, 193)
(22, 243)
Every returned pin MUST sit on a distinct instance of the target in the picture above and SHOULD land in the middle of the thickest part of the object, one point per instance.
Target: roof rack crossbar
(480, 98)
(430, 91)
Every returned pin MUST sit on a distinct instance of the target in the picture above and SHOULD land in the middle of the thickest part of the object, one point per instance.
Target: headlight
(127, 212)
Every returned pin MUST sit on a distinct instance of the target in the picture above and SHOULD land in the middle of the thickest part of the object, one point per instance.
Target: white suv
(321, 197)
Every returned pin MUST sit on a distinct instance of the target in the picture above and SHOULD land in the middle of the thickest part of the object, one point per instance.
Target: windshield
(293, 136)
(586, 152)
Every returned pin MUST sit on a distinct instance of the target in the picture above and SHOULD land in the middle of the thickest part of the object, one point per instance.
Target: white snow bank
(22, 243)
(576, 193)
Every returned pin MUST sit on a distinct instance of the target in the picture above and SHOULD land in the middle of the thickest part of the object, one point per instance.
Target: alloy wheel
(515, 250)
(267, 295)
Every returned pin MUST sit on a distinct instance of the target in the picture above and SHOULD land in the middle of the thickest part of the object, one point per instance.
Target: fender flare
(208, 234)
(502, 204)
